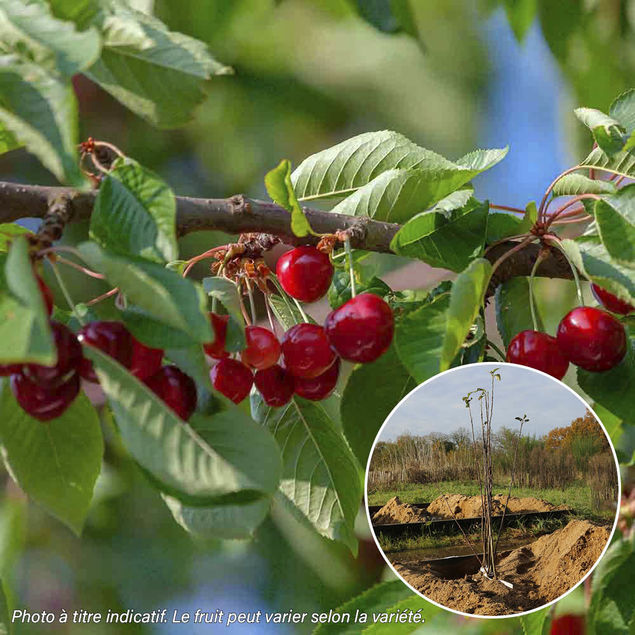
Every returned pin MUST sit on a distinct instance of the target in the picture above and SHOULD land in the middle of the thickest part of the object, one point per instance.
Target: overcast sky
(437, 406)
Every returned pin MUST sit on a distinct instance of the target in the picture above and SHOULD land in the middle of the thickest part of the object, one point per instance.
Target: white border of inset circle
(490, 365)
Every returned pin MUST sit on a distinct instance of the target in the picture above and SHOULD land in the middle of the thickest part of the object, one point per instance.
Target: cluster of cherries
(306, 361)
(45, 392)
(588, 337)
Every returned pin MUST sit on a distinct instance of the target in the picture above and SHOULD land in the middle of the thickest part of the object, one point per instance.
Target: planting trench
(540, 572)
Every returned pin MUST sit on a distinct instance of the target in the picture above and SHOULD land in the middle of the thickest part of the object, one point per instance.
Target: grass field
(577, 496)
(544, 526)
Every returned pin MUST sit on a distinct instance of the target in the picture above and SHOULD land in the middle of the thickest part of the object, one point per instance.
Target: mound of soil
(394, 511)
(540, 572)
(470, 506)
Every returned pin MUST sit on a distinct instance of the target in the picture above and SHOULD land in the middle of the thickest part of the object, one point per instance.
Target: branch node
(239, 204)
(58, 215)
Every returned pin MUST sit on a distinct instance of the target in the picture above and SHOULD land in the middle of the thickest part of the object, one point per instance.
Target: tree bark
(239, 214)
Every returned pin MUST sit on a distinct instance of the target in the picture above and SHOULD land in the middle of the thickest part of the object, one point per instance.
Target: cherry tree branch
(239, 214)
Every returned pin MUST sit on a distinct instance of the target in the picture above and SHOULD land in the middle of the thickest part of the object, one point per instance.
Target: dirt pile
(470, 506)
(394, 511)
(540, 572)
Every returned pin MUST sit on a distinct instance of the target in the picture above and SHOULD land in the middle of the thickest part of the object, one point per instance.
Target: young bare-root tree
(482, 458)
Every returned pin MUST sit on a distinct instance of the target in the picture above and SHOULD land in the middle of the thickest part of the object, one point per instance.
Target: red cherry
(216, 349)
(112, 338)
(275, 385)
(305, 273)
(41, 402)
(538, 350)
(176, 389)
(47, 295)
(567, 625)
(361, 329)
(320, 387)
(69, 357)
(306, 350)
(10, 369)
(145, 360)
(611, 302)
(263, 348)
(591, 338)
(232, 379)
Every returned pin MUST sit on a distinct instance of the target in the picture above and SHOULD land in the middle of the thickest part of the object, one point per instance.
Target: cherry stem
(252, 304)
(505, 240)
(67, 295)
(243, 309)
(532, 301)
(302, 313)
(206, 254)
(103, 296)
(541, 209)
(351, 266)
(74, 265)
(570, 221)
(270, 315)
(507, 208)
(555, 241)
(569, 203)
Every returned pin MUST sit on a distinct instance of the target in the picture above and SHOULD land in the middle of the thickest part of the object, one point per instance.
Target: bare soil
(540, 572)
(470, 506)
(394, 511)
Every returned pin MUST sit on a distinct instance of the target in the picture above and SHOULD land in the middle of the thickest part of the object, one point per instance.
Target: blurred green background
(308, 74)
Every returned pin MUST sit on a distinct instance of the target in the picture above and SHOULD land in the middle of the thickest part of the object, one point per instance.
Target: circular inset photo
(492, 489)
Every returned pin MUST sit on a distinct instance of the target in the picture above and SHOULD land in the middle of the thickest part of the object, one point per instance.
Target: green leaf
(154, 333)
(378, 599)
(415, 604)
(56, 463)
(230, 521)
(81, 12)
(520, 15)
(163, 294)
(559, 21)
(399, 194)
(536, 623)
(501, 226)
(612, 608)
(451, 243)
(8, 140)
(623, 109)
(608, 133)
(202, 462)
(29, 30)
(6, 626)
(227, 293)
(575, 184)
(8, 233)
(280, 189)
(319, 473)
(159, 74)
(340, 289)
(590, 257)
(615, 218)
(341, 170)
(419, 338)
(135, 213)
(41, 112)
(513, 313)
(622, 163)
(466, 299)
(25, 332)
(363, 411)
(612, 388)
(285, 311)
